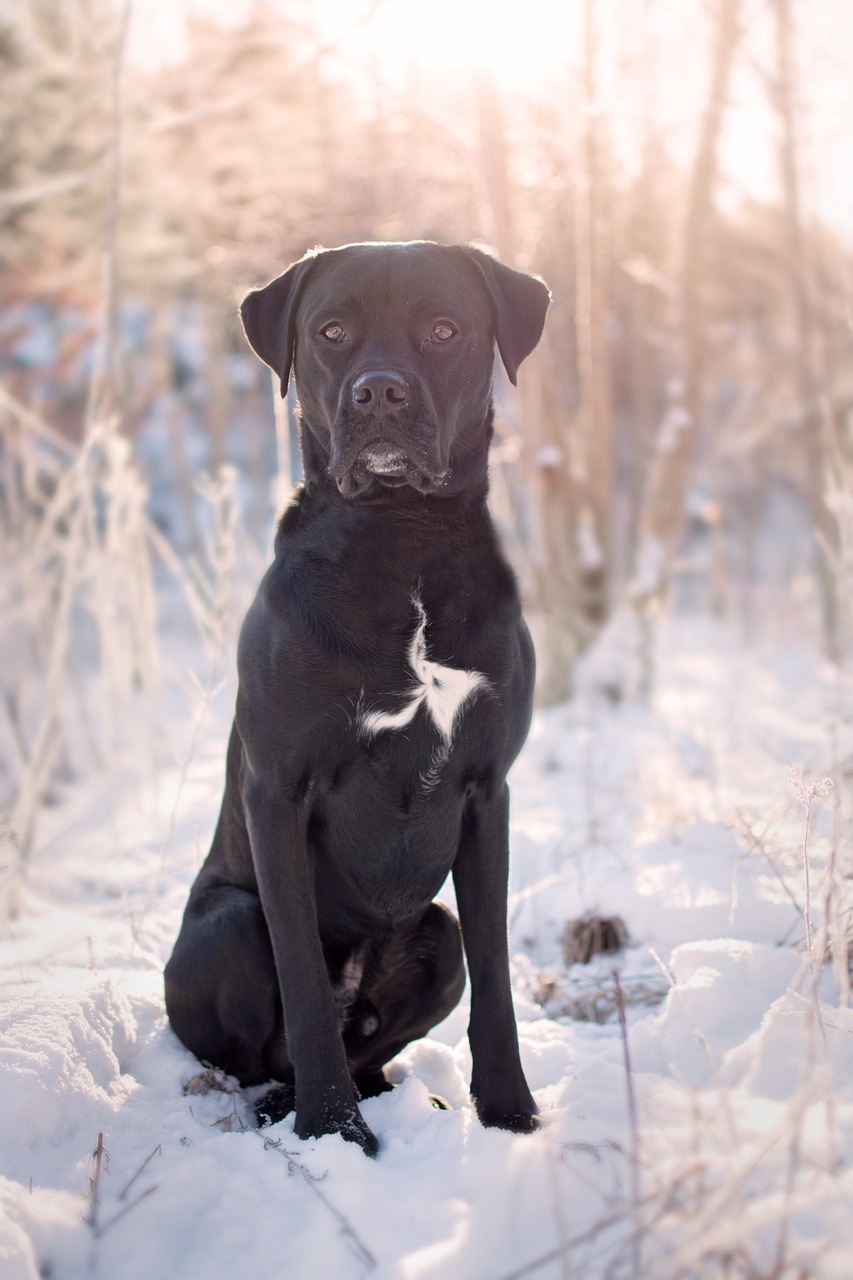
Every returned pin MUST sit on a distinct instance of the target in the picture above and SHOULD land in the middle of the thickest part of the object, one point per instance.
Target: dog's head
(391, 347)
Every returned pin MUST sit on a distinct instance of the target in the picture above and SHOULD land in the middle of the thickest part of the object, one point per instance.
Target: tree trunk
(664, 505)
(813, 436)
(548, 576)
(596, 423)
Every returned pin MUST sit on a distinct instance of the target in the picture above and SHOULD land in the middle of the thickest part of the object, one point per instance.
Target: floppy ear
(269, 318)
(519, 303)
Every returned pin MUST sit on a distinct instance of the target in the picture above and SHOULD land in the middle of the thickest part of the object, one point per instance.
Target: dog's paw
(522, 1118)
(355, 1130)
(349, 1124)
(275, 1104)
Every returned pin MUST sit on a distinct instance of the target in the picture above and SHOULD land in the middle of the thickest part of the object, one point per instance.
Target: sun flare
(457, 35)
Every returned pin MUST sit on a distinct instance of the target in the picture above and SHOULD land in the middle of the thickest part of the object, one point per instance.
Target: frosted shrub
(77, 611)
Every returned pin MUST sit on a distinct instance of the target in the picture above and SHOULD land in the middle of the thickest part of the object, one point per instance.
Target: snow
(676, 815)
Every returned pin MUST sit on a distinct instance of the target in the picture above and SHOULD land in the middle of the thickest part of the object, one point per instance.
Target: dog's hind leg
(412, 979)
(221, 987)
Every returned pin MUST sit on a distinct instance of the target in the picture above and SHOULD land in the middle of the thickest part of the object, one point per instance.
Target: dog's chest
(434, 695)
(388, 814)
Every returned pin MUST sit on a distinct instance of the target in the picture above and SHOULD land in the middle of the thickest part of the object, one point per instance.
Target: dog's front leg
(325, 1094)
(480, 875)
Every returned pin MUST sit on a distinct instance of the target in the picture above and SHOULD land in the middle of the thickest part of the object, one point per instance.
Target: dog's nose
(380, 392)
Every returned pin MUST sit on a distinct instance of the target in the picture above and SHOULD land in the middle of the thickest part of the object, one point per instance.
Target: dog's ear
(519, 304)
(269, 318)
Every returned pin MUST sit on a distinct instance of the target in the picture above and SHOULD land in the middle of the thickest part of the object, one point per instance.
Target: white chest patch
(441, 691)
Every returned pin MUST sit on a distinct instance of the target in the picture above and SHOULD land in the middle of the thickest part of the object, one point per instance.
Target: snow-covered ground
(715, 1137)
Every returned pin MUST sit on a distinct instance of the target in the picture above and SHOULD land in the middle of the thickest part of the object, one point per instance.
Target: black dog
(385, 689)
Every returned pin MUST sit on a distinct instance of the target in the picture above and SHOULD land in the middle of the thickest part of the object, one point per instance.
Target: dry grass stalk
(101, 1161)
(636, 1242)
(807, 794)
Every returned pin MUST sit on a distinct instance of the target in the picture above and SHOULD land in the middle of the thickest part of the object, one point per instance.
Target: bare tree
(812, 434)
(663, 511)
(546, 556)
(591, 305)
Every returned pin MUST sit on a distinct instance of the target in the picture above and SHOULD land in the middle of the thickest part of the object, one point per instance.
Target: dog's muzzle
(386, 464)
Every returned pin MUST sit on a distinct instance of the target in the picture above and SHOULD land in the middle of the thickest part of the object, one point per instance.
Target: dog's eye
(334, 332)
(442, 331)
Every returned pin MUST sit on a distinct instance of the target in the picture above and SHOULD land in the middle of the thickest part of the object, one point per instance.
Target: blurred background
(681, 174)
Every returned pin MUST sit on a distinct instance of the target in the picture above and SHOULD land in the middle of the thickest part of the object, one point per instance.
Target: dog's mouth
(385, 462)
(387, 465)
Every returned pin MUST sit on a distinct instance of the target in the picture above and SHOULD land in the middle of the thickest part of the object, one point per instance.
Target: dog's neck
(402, 507)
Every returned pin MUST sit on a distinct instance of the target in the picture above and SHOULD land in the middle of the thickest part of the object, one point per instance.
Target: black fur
(311, 951)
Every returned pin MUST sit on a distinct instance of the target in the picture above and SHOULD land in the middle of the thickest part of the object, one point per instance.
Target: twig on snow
(122, 1213)
(701, 1040)
(556, 1199)
(592, 1233)
(101, 1161)
(348, 1232)
(158, 1151)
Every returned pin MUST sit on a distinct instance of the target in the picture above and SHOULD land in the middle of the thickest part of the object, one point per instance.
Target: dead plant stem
(636, 1241)
(101, 1160)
